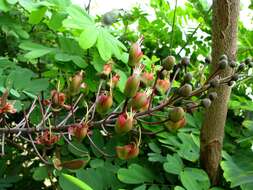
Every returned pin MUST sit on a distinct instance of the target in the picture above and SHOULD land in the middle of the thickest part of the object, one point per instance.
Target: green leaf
(37, 15)
(238, 169)
(88, 37)
(135, 174)
(74, 181)
(179, 188)
(174, 164)
(80, 62)
(104, 47)
(194, 179)
(40, 173)
(12, 1)
(78, 18)
(122, 80)
(4, 6)
(35, 50)
(56, 21)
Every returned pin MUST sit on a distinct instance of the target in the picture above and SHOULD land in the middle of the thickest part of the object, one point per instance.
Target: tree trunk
(224, 38)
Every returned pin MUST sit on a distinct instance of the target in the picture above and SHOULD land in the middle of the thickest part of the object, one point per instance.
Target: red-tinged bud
(75, 83)
(8, 108)
(84, 89)
(115, 80)
(162, 85)
(132, 86)
(174, 126)
(135, 55)
(128, 151)
(107, 68)
(73, 164)
(124, 123)
(147, 78)
(139, 100)
(47, 138)
(57, 98)
(79, 131)
(104, 103)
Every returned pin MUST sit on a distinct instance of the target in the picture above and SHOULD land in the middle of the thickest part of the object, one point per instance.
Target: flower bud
(75, 83)
(57, 98)
(139, 100)
(135, 55)
(79, 131)
(162, 85)
(115, 80)
(128, 151)
(124, 123)
(147, 78)
(168, 63)
(174, 126)
(104, 103)
(132, 85)
(47, 138)
(176, 114)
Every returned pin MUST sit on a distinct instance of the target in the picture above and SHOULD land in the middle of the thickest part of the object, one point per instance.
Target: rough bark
(224, 38)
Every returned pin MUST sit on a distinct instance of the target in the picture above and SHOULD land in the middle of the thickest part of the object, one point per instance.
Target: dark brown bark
(224, 38)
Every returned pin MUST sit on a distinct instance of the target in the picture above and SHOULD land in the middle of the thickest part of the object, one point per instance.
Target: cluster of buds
(47, 138)
(5, 106)
(79, 131)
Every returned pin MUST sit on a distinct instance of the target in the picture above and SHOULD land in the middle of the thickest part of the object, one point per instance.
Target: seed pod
(132, 86)
(247, 61)
(109, 18)
(187, 77)
(135, 55)
(176, 114)
(235, 77)
(162, 85)
(241, 67)
(212, 96)
(223, 64)
(232, 64)
(128, 151)
(124, 123)
(206, 102)
(214, 83)
(185, 61)
(147, 78)
(208, 59)
(75, 83)
(139, 100)
(104, 103)
(231, 83)
(174, 126)
(223, 57)
(185, 90)
(168, 63)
